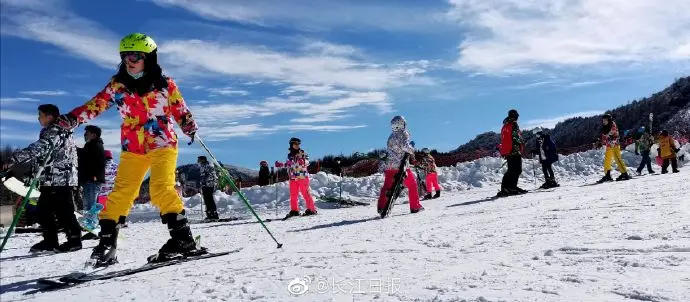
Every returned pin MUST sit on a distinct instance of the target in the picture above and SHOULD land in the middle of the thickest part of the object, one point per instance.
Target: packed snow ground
(622, 241)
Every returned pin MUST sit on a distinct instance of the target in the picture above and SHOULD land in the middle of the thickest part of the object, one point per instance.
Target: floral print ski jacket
(428, 164)
(398, 145)
(610, 138)
(297, 164)
(147, 120)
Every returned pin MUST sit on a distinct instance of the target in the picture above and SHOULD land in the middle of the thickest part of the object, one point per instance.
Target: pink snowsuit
(398, 145)
(296, 165)
(429, 165)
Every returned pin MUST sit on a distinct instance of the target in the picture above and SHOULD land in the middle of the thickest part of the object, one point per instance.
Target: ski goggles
(133, 57)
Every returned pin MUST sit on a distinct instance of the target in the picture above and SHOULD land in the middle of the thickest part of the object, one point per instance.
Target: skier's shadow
(336, 224)
(472, 202)
(21, 257)
(23, 286)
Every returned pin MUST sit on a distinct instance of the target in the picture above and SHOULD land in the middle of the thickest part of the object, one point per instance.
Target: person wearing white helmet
(398, 145)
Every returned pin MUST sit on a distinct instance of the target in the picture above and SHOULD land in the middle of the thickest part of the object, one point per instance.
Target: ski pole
(232, 185)
(534, 170)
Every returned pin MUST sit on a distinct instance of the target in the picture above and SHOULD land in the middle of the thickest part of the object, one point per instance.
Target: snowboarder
(512, 147)
(149, 104)
(264, 173)
(643, 147)
(398, 144)
(428, 164)
(296, 165)
(610, 138)
(91, 166)
(57, 182)
(548, 154)
(208, 181)
(667, 150)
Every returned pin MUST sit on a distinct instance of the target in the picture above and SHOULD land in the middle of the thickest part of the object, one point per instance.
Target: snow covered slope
(621, 241)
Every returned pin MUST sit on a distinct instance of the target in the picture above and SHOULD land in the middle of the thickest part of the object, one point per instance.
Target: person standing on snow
(57, 182)
(149, 104)
(643, 147)
(428, 164)
(511, 148)
(610, 139)
(264, 173)
(208, 181)
(548, 154)
(296, 165)
(667, 150)
(91, 166)
(105, 188)
(399, 144)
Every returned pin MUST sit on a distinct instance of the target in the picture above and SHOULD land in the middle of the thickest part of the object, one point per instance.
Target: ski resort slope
(620, 241)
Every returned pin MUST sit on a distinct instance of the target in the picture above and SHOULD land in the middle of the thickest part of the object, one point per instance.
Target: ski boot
(606, 178)
(437, 195)
(211, 216)
(44, 246)
(504, 192)
(73, 244)
(309, 212)
(181, 242)
(519, 190)
(413, 211)
(104, 253)
(427, 196)
(292, 213)
(623, 176)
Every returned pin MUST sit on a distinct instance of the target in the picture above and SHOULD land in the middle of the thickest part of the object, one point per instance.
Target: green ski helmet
(137, 42)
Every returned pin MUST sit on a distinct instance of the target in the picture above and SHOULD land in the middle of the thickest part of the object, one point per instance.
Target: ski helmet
(426, 151)
(137, 42)
(263, 163)
(607, 117)
(295, 140)
(398, 123)
(513, 114)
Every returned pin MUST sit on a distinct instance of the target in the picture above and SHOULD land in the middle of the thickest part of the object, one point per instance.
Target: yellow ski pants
(614, 153)
(130, 174)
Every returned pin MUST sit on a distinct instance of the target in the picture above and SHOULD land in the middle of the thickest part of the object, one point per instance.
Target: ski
(214, 220)
(394, 192)
(80, 278)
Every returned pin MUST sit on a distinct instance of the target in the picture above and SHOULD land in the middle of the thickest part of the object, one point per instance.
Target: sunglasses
(132, 56)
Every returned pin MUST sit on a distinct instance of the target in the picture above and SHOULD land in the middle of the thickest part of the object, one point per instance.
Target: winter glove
(67, 122)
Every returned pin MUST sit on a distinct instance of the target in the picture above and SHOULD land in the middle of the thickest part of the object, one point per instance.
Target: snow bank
(481, 173)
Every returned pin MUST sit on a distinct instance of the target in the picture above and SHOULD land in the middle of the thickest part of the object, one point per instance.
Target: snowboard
(393, 193)
(18, 187)
(80, 278)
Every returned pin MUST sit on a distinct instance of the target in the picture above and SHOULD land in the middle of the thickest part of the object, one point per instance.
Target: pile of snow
(481, 173)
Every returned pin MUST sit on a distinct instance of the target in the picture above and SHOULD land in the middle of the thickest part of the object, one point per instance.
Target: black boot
(211, 216)
(437, 195)
(181, 242)
(606, 178)
(309, 212)
(427, 196)
(44, 246)
(104, 253)
(73, 244)
(291, 214)
(623, 176)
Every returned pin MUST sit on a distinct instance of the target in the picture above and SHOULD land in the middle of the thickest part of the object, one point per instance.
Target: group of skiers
(150, 103)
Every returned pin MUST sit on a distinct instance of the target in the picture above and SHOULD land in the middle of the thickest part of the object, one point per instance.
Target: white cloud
(11, 115)
(45, 92)
(318, 15)
(7, 101)
(226, 91)
(330, 48)
(258, 129)
(47, 22)
(552, 121)
(521, 36)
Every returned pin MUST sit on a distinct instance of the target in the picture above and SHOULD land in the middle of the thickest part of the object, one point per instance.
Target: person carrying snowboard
(511, 148)
(208, 181)
(428, 164)
(57, 182)
(643, 147)
(149, 103)
(610, 138)
(667, 150)
(398, 144)
(548, 154)
(296, 165)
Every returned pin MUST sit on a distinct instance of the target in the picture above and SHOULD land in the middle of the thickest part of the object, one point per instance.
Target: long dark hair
(152, 79)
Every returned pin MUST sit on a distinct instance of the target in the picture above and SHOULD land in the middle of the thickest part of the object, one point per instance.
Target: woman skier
(428, 164)
(149, 104)
(610, 139)
(398, 145)
(296, 165)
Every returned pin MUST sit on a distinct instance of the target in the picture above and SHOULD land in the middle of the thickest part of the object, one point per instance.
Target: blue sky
(334, 72)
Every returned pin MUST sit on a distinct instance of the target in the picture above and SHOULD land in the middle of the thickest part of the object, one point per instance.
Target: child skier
(667, 150)
(643, 147)
(428, 164)
(57, 182)
(149, 103)
(106, 188)
(610, 139)
(209, 181)
(296, 165)
(399, 144)
(548, 154)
